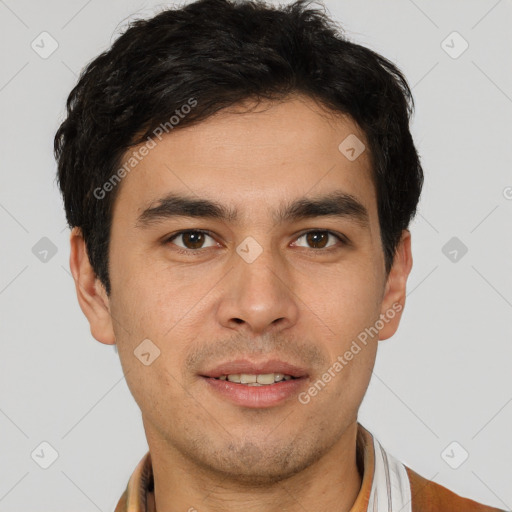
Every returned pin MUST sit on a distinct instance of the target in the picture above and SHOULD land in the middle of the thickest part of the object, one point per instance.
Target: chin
(260, 464)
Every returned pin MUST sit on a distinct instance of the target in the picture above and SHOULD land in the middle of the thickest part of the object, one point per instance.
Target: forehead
(250, 160)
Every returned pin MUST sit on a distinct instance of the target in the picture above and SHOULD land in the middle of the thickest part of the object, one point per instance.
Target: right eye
(192, 240)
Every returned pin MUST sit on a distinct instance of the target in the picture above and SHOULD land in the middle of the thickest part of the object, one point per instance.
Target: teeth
(245, 378)
(256, 380)
(266, 378)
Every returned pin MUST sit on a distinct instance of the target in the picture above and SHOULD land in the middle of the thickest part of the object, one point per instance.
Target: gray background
(444, 377)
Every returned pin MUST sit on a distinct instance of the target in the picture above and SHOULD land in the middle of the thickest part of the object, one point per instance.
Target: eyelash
(341, 238)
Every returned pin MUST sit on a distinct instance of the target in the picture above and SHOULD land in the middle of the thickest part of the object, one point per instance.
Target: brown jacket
(428, 496)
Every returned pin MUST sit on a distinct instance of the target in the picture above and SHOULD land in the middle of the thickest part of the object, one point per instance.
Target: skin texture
(295, 302)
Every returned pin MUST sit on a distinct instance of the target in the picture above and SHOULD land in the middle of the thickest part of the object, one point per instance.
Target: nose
(258, 296)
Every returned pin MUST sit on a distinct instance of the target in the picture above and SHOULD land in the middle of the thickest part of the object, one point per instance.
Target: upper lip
(255, 368)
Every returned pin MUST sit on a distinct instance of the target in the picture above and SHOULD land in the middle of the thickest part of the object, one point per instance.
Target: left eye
(318, 239)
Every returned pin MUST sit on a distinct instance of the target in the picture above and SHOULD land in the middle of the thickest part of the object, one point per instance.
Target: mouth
(256, 385)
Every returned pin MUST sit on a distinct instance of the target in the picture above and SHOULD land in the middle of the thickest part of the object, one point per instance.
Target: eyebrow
(335, 204)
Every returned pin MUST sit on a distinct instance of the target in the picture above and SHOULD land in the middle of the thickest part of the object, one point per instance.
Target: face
(249, 280)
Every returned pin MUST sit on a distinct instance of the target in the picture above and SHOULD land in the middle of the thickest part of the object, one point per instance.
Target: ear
(91, 294)
(393, 301)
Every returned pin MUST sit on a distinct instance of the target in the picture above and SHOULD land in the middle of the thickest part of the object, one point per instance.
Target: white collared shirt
(391, 489)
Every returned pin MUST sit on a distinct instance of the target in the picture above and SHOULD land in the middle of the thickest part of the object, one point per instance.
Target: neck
(332, 482)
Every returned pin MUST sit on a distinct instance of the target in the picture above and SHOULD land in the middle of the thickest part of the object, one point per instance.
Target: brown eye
(192, 239)
(319, 239)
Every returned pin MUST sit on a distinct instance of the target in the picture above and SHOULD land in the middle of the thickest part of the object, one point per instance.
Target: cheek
(147, 296)
(151, 332)
(344, 300)
(156, 387)
(163, 307)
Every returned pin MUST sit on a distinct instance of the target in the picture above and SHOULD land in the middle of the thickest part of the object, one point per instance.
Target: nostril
(238, 320)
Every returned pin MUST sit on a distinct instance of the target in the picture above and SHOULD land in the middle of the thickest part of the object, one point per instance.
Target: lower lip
(257, 396)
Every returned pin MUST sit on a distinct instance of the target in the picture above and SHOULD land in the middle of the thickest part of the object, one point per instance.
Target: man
(239, 180)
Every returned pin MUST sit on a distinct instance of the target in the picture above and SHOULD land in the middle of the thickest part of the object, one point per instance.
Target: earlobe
(393, 301)
(91, 294)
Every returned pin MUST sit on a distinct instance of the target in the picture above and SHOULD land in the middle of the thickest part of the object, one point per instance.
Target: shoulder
(427, 496)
